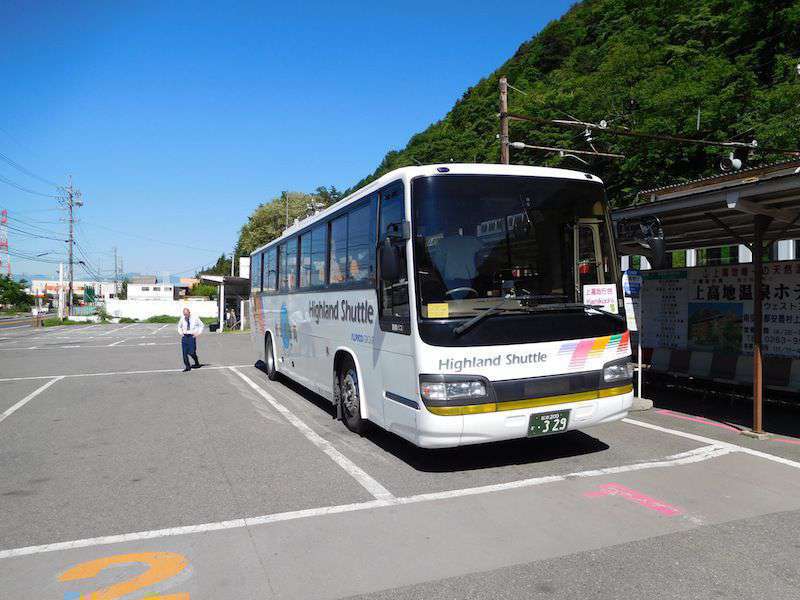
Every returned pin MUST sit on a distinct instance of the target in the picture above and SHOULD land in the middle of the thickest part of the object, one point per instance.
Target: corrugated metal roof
(731, 177)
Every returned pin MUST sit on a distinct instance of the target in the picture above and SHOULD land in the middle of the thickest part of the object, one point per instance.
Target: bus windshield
(499, 241)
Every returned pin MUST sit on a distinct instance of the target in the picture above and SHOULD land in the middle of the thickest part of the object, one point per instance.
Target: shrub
(162, 319)
(204, 289)
(52, 321)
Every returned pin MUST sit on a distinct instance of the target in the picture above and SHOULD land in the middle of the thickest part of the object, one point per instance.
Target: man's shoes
(187, 369)
(197, 365)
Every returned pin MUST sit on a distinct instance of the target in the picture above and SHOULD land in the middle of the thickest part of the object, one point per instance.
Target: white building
(150, 291)
(47, 289)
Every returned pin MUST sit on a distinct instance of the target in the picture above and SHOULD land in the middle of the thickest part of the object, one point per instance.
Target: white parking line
(367, 482)
(48, 332)
(115, 330)
(700, 438)
(155, 331)
(8, 412)
(82, 346)
(693, 456)
(109, 373)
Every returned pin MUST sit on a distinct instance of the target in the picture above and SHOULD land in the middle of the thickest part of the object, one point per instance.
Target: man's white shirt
(195, 326)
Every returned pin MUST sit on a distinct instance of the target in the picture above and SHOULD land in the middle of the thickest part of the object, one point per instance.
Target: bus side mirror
(390, 261)
(643, 236)
(399, 231)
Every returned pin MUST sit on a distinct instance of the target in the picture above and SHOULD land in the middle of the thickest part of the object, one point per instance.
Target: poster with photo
(711, 308)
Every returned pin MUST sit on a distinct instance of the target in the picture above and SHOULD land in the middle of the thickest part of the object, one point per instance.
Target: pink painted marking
(786, 441)
(700, 420)
(617, 489)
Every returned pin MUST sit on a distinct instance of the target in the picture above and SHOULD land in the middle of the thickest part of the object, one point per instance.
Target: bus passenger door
(393, 348)
(589, 260)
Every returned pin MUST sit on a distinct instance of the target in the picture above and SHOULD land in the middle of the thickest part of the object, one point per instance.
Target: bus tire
(269, 360)
(350, 397)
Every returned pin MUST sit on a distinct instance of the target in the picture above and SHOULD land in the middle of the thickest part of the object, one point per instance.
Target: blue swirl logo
(286, 328)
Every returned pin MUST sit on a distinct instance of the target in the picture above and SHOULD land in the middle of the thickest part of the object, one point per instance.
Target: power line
(28, 233)
(27, 172)
(638, 134)
(149, 239)
(33, 226)
(24, 189)
(33, 258)
(87, 264)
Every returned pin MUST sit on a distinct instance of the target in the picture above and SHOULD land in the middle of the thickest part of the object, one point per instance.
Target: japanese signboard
(631, 290)
(601, 295)
(711, 308)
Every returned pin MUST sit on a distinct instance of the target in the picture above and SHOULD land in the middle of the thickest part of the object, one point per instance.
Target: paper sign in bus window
(601, 295)
(438, 310)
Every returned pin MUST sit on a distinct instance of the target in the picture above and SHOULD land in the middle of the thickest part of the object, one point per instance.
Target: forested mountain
(648, 65)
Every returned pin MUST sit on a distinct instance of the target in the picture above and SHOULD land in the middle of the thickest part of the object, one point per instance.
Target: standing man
(189, 328)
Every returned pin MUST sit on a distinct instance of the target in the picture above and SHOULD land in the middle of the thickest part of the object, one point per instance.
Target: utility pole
(116, 273)
(70, 204)
(505, 154)
(72, 200)
(61, 291)
(5, 261)
(122, 275)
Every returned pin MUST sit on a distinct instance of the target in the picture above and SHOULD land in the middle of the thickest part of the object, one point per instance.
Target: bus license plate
(548, 423)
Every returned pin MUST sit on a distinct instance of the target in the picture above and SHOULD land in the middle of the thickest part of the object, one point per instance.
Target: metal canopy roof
(720, 211)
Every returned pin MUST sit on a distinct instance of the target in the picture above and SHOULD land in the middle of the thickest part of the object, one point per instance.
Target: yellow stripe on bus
(471, 409)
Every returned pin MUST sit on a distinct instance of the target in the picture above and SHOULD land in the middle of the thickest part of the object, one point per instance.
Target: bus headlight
(452, 391)
(618, 370)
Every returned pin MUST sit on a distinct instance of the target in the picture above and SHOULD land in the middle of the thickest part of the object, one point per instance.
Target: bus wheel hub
(350, 393)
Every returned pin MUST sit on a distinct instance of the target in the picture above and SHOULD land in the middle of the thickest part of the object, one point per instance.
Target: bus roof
(408, 173)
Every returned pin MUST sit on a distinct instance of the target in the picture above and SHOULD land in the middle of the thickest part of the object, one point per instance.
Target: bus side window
(393, 292)
(271, 270)
(338, 250)
(319, 243)
(261, 271)
(305, 260)
(361, 244)
(256, 271)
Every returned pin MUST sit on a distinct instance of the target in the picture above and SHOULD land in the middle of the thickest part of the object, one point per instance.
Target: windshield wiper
(555, 307)
(560, 306)
(494, 310)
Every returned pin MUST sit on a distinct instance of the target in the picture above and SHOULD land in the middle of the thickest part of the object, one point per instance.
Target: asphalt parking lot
(123, 476)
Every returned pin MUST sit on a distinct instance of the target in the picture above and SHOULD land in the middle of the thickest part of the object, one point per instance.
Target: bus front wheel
(269, 360)
(350, 398)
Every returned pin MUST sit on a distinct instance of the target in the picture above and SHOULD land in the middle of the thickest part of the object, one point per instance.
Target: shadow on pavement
(725, 405)
(467, 458)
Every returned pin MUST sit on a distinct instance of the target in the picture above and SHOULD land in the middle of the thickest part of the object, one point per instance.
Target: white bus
(448, 304)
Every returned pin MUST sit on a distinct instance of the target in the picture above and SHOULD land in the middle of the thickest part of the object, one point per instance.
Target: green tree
(221, 267)
(12, 293)
(204, 289)
(270, 218)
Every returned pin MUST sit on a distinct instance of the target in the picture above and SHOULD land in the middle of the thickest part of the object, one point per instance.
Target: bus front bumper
(508, 422)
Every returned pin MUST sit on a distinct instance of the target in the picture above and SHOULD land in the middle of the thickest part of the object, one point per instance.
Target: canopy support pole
(761, 222)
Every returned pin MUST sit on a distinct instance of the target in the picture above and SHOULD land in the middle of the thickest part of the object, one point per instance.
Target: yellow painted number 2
(161, 566)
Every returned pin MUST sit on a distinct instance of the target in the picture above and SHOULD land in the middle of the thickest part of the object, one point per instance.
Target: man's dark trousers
(189, 347)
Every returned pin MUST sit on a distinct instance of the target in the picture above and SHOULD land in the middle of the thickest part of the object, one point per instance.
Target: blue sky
(175, 119)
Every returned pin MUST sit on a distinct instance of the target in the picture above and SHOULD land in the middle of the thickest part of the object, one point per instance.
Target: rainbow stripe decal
(582, 350)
